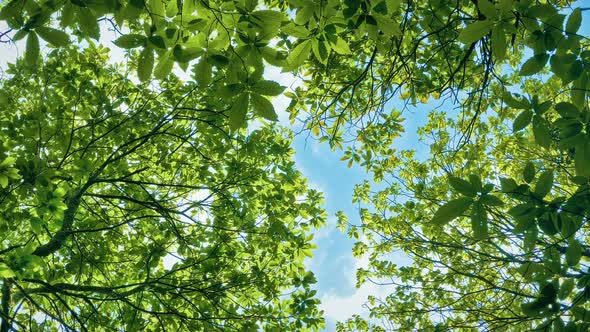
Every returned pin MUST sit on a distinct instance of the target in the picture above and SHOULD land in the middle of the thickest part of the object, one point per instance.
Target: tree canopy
(128, 208)
(133, 200)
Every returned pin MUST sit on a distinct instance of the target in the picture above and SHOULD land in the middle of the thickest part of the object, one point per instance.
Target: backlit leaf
(267, 88)
(53, 36)
(499, 42)
(534, 64)
(32, 53)
(574, 21)
(573, 252)
(145, 64)
(451, 210)
(544, 183)
(299, 54)
(263, 107)
(88, 23)
(130, 41)
(475, 31)
(522, 120)
(238, 111)
(462, 186)
(529, 172)
(164, 66)
(479, 221)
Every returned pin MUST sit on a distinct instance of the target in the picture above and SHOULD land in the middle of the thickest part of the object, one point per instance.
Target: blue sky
(333, 263)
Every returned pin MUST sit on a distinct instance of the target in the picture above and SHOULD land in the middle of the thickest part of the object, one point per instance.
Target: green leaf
(53, 36)
(267, 88)
(20, 34)
(580, 313)
(157, 41)
(88, 23)
(522, 120)
(6, 271)
(36, 225)
(389, 26)
(573, 252)
(340, 46)
(531, 309)
(451, 210)
(515, 102)
(273, 57)
(237, 114)
(130, 41)
(487, 8)
(479, 222)
(145, 64)
(552, 259)
(534, 64)
(541, 108)
(171, 9)
(574, 21)
(508, 185)
(156, 8)
(462, 186)
(187, 54)
(491, 200)
(3, 181)
(544, 183)
(568, 226)
(475, 31)
(321, 50)
(529, 172)
(203, 72)
(269, 20)
(476, 181)
(530, 239)
(548, 292)
(32, 53)
(541, 132)
(304, 14)
(565, 289)
(582, 159)
(579, 90)
(566, 109)
(270, 16)
(230, 90)
(8, 162)
(11, 10)
(499, 44)
(164, 66)
(547, 223)
(299, 54)
(263, 107)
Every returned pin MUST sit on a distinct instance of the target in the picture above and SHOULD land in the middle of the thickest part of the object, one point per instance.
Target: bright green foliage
(495, 218)
(130, 209)
(231, 40)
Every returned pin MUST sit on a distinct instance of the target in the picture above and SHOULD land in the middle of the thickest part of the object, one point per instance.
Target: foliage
(228, 40)
(125, 208)
(495, 219)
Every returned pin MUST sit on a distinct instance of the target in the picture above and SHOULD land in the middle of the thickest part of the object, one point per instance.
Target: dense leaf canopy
(133, 209)
(107, 179)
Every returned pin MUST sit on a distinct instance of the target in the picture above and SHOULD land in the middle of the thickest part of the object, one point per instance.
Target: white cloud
(341, 307)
